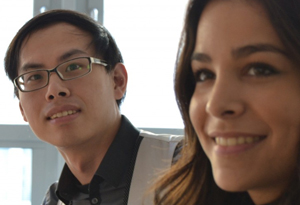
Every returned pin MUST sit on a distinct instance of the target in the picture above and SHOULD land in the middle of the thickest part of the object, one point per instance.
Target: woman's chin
(231, 186)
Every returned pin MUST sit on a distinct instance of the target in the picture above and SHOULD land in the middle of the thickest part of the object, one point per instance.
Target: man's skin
(83, 137)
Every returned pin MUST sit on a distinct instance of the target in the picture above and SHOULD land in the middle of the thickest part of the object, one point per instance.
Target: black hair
(104, 44)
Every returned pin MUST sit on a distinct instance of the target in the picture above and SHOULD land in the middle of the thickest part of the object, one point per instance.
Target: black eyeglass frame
(92, 60)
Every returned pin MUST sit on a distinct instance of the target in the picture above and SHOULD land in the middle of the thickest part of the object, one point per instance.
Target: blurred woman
(237, 85)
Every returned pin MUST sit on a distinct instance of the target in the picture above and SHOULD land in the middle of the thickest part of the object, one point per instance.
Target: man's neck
(83, 160)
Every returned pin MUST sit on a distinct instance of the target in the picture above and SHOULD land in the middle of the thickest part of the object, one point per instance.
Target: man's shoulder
(51, 197)
(162, 137)
(160, 146)
(156, 153)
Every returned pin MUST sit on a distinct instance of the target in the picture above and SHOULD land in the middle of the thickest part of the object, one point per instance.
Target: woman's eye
(73, 67)
(203, 75)
(261, 69)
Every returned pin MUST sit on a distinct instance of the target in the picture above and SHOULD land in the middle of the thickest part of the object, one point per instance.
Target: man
(70, 81)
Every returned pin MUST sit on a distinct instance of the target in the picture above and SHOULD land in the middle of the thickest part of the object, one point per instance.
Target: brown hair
(190, 180)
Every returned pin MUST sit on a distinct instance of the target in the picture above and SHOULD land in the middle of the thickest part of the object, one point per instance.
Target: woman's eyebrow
(247, 50)
(242, 52)
(202, 57)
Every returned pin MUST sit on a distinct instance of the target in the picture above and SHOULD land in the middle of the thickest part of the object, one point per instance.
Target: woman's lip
(230, 141)
(233, 134)
(229, 147)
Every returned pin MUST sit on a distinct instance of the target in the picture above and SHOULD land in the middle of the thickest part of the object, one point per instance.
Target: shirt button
(94, 201)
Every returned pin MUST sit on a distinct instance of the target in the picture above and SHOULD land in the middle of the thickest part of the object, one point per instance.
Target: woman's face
(246, 104)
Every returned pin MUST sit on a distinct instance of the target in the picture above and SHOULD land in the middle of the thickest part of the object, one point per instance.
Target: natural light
(14, 13)
(15, 176)
(147, 33)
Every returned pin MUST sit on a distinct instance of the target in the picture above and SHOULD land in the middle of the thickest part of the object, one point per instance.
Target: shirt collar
(119, 155)
(114, 164)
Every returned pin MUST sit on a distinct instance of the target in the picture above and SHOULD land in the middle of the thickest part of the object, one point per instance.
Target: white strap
(155, 155)
(60, 203)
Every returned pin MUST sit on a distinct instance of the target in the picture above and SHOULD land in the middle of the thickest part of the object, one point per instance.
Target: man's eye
(261, 70)
(203, 75)
(33, 77)
(73, 67)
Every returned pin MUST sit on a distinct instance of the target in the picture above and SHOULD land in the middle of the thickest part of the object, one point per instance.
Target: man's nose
(56, 88)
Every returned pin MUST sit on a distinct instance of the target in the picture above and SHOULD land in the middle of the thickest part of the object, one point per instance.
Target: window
(15, 176)
(28, 165)
(15, 13)
(147, 33)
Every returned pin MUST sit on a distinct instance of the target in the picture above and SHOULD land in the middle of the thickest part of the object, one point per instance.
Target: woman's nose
(225, 99)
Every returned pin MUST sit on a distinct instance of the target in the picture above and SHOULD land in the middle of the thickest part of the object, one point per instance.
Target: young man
(70, 82)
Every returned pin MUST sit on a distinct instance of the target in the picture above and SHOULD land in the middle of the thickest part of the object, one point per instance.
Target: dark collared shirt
(111, 182)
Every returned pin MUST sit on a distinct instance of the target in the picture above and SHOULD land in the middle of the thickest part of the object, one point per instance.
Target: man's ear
(22, 112)
(120, 80)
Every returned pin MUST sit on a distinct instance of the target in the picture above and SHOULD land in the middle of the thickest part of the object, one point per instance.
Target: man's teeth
(63, 114)
(235, 140)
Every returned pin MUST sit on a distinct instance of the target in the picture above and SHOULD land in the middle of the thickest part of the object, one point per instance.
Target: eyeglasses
(69, 70)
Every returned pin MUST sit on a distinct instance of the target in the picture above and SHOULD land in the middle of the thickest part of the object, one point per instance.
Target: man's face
(84, 108)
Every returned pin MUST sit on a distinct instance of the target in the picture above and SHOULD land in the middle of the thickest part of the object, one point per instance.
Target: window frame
(21, 136)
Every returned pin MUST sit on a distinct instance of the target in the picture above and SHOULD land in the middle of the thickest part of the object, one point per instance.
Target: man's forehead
(60, 42)
(60, 28)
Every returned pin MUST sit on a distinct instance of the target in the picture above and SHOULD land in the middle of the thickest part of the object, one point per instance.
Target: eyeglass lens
(67, 71)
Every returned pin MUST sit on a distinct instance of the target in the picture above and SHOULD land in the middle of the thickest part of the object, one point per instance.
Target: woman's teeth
(235, 140)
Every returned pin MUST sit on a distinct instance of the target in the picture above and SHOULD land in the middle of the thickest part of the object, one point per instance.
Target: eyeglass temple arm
(98, 61)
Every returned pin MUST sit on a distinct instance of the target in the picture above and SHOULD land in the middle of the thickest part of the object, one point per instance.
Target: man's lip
(59, 109)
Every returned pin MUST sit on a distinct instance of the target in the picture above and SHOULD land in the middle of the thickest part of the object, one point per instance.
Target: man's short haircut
(104, 44)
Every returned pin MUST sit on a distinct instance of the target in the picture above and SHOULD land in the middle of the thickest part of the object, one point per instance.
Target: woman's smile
(239, 108)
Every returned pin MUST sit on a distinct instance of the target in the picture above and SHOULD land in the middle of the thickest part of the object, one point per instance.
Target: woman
(237, 85)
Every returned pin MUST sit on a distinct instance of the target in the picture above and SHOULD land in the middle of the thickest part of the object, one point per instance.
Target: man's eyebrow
(62, 58)
(28, 66)
(69, 54)
(251, 49)
(201, 57)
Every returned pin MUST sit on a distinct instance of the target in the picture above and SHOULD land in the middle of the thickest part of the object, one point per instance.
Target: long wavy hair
(190, 180)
